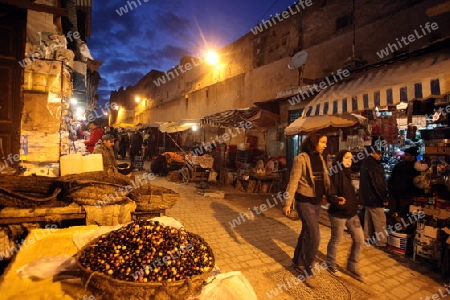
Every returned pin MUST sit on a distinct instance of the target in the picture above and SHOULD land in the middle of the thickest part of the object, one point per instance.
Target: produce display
(173, 157)
(147, 251)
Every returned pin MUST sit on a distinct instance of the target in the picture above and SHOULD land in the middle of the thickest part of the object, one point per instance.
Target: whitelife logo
(315, 89)
(243, 125)
(411, 38)
(124, 9)
(298, 6)
(262, 208)
(38, 54)
(173, 74)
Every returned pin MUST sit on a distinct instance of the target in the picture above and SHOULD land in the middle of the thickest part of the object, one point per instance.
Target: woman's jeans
(309, 239)
(337, 229)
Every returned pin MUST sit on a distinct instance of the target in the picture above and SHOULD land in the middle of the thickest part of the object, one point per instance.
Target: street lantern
(212, 58)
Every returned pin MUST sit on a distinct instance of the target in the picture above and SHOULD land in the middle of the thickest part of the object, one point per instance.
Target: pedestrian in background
(343, 214)
(135, 146)
(401, 186)
(124, 144)
(308, 183)
(373, 195)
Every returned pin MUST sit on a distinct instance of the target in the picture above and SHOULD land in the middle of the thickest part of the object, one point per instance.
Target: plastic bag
(47, 266)
(230, 286)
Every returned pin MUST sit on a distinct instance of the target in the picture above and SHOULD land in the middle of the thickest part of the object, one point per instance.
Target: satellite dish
(298, 59)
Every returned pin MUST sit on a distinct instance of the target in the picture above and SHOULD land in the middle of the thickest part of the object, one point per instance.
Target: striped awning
(419, 78)
(230, 118)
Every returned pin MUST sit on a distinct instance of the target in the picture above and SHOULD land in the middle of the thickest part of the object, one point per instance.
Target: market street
(262, 247)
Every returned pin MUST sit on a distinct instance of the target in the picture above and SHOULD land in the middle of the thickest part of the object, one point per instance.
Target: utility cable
(267, 11)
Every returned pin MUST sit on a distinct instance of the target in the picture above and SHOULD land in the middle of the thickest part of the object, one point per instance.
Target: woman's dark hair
(340, 156)
(311, 141)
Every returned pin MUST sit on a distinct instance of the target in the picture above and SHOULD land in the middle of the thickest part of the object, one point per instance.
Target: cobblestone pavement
(265, 243)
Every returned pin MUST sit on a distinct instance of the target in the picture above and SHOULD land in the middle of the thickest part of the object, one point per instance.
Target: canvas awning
(418, 78)
(171, 127)
(124, 125)
(230, 118)
(305, 125)
(259, 118)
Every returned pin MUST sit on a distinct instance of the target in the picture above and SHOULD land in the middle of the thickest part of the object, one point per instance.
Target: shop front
(405, 103)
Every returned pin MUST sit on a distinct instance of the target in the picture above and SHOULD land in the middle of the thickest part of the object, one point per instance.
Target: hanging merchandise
(376, 127)
(389, 129)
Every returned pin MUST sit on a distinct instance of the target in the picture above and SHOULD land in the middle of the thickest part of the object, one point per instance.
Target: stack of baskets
(29, 192)
(96, 188)
(152, 198)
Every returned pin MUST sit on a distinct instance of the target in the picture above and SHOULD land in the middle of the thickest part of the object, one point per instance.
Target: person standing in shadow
(401, 183)
(373, 193)
(308, 183)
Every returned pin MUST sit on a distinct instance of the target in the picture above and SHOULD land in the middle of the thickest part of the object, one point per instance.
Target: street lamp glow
(211, 58)
(137, 99)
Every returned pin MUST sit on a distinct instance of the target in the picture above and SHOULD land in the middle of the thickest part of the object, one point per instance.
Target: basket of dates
(145, 260)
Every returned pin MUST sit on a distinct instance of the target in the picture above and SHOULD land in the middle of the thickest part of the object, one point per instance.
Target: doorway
(12, 47)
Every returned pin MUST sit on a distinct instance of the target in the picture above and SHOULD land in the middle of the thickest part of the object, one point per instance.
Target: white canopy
(304, 125)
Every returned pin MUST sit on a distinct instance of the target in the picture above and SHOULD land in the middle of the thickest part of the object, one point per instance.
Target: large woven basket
(10, 198)
(29, 191)
(107, 288)
(99, 194)
(153, 197)
(156, 201)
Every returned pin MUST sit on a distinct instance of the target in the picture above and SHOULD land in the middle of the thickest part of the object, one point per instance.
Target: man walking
(373, 195)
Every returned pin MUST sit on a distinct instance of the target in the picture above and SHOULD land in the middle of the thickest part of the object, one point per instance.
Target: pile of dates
(147, 251)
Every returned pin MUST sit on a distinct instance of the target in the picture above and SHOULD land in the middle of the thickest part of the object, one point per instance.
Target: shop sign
(289, 92)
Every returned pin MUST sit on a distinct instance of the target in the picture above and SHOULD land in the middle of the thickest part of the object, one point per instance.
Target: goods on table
(173, 157)
(145, 258)
(205, 161)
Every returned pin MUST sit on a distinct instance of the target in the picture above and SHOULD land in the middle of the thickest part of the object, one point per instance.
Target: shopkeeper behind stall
(105, 148)
(401, 187)
(96, 134)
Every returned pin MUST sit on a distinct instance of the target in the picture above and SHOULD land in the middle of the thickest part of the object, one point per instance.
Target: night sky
(156, 33)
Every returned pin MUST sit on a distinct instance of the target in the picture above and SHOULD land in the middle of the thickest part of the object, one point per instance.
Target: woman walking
(308, 183)
(343, 213)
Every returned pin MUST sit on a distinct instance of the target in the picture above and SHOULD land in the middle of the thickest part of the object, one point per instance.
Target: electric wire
(267, 11)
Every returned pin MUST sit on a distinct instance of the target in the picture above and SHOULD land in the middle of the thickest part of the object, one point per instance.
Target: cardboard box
(432, 232)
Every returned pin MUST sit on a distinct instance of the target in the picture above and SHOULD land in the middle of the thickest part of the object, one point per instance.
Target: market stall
(305, 125)
(61, 264)
(35, 201)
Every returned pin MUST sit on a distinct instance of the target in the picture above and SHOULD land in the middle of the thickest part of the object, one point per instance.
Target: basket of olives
(145, 260)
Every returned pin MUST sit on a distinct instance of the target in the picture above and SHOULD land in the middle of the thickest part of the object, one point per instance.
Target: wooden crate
(199, 174)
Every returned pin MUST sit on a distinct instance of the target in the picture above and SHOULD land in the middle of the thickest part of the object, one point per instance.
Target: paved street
(262, 246)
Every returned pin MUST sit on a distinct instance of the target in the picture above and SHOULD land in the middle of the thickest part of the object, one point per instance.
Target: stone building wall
(254, 67)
